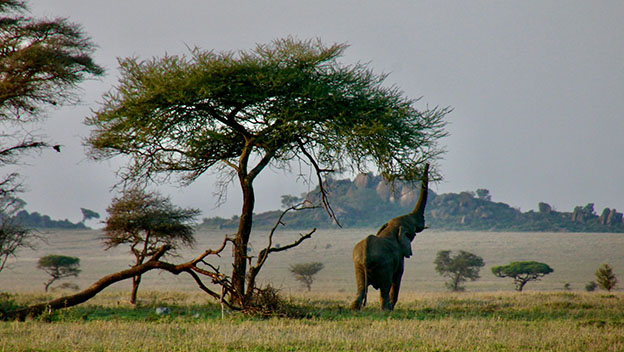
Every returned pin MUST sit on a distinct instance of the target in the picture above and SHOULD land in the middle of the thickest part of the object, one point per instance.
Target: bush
(591, 286)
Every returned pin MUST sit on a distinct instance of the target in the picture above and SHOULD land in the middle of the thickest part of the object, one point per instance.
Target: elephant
(378, 260)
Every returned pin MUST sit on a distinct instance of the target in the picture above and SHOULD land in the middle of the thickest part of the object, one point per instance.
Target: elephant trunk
(419, 209)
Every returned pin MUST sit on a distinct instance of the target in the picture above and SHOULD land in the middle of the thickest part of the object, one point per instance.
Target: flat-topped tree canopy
(242, 111)
(179, 114)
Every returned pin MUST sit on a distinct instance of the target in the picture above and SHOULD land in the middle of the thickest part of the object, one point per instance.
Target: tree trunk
(91, 291)
(241, 241)
(136, 281)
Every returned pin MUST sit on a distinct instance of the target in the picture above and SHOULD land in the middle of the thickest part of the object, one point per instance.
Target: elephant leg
(361, 284)
(394, 290)
(394, 293)
(385, 297)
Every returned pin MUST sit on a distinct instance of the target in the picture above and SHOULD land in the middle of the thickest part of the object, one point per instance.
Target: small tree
(304, 272)
(59, 267)
(147, 221)
(484, 194)
(458, 268)
(522, 272)
(88, 214)
(605, 277)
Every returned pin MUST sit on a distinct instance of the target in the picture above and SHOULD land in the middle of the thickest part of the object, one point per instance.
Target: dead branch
(264, 253)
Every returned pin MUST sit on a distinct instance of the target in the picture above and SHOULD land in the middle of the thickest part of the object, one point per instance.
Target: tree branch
(319, 171)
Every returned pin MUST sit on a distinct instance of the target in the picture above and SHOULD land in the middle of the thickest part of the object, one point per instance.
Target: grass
(485, 321)
(489, 317)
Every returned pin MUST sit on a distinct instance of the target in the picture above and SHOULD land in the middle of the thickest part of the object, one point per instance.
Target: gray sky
(537, 89)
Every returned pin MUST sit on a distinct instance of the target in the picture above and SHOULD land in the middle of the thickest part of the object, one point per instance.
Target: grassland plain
(435, 321)
(574, 257)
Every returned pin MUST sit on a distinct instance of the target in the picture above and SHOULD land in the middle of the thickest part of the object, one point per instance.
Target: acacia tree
(238, 113)
(304, 272)
(58, 267)
(458, 268)
(522, 272)
(41, 63)
(147, 221)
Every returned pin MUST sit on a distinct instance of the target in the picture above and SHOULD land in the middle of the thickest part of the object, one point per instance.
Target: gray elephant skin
(379, 260)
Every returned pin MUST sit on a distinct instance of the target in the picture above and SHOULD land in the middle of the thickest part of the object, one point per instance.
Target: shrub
(304, 272)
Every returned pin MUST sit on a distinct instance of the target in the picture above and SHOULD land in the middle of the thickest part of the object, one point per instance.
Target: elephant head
(413, 222)
(378, 260)
(405, 244)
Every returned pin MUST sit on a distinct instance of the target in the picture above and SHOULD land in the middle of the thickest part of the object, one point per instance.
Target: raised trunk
(419, 209)
(241, 241)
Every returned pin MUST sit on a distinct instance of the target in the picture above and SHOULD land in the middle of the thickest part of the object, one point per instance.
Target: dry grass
(502, 321)
(489, 317)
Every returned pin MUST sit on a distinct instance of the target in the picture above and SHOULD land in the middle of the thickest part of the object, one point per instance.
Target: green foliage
(41, 61)
(304, 272)
(147, 221)
(522, 272)
(59, 267)
(274, 103)
(605, 277)
(458, 268)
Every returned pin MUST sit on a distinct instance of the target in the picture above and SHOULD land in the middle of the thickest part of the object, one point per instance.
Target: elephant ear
(405, 244)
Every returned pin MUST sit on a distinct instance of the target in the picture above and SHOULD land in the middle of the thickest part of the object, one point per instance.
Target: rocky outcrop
(610, 217)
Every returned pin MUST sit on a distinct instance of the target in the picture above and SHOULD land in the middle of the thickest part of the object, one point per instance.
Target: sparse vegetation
(605, 277)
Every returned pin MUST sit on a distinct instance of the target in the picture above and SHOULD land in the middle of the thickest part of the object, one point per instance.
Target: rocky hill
(369, 201)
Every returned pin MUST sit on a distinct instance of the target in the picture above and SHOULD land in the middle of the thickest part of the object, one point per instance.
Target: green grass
(498, 321)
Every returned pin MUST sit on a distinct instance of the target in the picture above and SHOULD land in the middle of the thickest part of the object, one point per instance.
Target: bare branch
(319, 171)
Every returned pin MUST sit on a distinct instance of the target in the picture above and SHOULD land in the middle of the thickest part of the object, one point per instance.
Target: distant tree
(484, 194)
(41, 63)
(522, 272)
(458, 268)
(605, 277)
(290, 200)
(591, 286)
(146, 221)
(88, 214)
(544, 208)
(239, 113)
(59, 267)
(304, 272)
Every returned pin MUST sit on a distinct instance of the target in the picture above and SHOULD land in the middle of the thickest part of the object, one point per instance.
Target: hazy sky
(537, 89)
